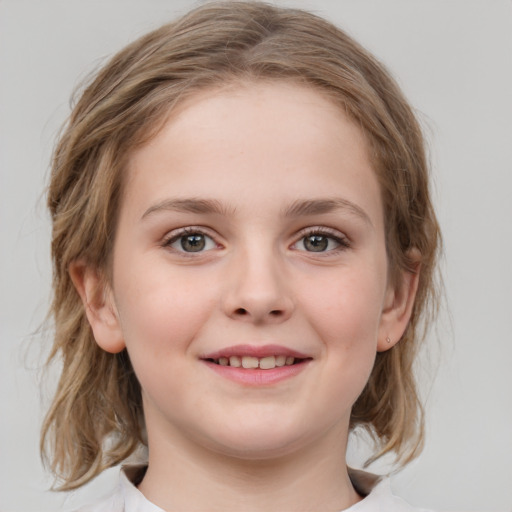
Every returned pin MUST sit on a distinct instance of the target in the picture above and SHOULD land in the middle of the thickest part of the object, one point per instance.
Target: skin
(255, 151)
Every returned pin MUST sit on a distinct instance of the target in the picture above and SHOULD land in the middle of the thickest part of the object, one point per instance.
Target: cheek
(347, 308)
(344, 312)
(160, 311)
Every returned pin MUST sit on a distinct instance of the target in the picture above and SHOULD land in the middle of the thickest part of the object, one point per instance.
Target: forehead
(246, 136)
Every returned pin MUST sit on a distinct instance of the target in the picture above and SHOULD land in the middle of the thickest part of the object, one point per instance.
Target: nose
(258, 290)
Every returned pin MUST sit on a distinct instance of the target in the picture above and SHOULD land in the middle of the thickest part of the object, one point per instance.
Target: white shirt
(127, 498)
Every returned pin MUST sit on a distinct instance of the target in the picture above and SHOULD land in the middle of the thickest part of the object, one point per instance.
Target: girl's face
(251, 233)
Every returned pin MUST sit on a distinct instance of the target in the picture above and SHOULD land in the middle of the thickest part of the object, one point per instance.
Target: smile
(257, 365)
(250, 362)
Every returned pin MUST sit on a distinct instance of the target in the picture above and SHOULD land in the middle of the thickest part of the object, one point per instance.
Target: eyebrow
(319, 206)
(299, 208)
(191, 205)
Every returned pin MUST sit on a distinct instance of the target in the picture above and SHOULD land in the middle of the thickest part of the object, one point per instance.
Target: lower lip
(257, 377)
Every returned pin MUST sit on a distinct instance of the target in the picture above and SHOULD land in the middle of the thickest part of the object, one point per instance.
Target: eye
(319, 241)
(190, 241)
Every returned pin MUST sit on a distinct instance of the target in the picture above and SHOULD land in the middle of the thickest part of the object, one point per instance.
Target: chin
(263, 451)
(259, 442)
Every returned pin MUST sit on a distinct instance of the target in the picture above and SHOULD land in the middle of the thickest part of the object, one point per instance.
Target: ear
(99, 306)
(398, 305)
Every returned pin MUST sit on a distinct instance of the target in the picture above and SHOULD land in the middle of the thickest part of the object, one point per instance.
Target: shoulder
(126, 497)
(113, 502)
(379, 496)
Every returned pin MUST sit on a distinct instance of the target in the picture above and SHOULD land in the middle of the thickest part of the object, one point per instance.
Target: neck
(183, 475)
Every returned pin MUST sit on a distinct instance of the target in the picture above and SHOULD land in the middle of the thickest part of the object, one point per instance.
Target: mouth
(254, 363)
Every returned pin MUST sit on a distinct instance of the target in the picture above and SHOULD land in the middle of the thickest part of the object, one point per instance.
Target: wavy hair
(95, 420)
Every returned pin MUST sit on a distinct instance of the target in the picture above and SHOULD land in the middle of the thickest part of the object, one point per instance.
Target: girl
(244, 248)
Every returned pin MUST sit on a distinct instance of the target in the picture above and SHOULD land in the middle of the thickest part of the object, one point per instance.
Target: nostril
(241, 311)
(276, 312)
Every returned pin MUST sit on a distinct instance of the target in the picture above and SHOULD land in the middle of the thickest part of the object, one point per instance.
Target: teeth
(280, 360)
(267, 363)
(250, 362)
(235, 361)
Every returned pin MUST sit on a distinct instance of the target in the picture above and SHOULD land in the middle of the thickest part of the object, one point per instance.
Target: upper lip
(258, 351)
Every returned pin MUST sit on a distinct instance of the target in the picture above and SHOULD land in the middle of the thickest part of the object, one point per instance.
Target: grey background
(453, 59)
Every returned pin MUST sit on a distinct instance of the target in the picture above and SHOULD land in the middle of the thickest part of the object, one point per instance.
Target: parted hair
(95, 420)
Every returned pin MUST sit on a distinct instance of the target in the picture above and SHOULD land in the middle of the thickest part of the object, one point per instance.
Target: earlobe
(398, 306)
(99, 306)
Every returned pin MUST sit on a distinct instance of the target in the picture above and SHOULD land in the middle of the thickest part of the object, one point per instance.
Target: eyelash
(342, 241)
(174, 236)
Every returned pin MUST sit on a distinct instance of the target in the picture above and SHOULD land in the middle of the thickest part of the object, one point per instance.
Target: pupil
(316, 243)
(193, 243)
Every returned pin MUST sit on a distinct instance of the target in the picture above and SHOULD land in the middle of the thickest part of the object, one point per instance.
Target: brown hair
(95, 420)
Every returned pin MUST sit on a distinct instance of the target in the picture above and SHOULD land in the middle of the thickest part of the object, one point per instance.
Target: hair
(95, 420)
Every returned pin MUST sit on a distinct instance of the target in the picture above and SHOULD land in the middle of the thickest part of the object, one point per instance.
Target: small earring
(388, 340)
